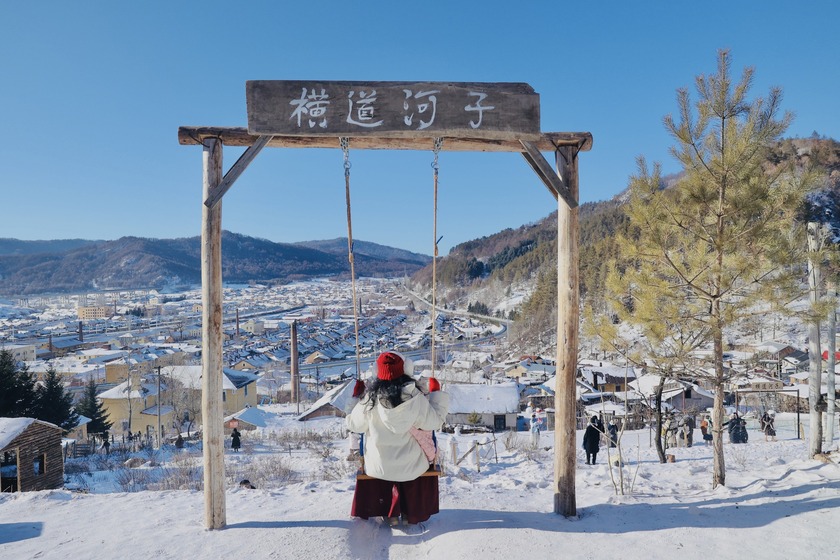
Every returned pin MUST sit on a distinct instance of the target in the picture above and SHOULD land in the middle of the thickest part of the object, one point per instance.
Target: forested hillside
(480, 274)
(34, 267)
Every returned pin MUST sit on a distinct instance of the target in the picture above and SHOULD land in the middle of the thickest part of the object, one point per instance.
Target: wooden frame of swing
(562, 183)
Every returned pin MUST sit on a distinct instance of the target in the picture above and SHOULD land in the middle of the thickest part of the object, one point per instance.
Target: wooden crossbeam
(236, 170)
(237, 136)
(547, 175)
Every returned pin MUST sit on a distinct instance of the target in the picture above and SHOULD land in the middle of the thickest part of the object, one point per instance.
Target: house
(605, 376)
(317, 357)
(137, 409)
(30, 455)
(494, 406)
(249, 418)
(80, 432)
(676, 394)
(239, 388)
(333, 403)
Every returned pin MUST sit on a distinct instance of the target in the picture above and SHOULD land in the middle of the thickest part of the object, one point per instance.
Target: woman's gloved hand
(358, 388)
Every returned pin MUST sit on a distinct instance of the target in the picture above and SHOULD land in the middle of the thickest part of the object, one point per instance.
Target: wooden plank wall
(39, 439)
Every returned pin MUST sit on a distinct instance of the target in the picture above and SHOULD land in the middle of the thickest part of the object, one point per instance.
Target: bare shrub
(81, 482)
(263, 472)
(76, 466)
(152, 455)
(336, 469)
(737, 456)
(185, 473)
(512, 441)
(132, 480)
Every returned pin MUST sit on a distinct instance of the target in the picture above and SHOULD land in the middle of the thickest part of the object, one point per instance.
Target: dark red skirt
(416, 500)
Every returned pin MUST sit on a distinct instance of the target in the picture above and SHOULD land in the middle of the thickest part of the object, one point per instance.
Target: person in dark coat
(613, 430)
(732, 424)
(768, 426)
(741, 435)
(591, 440)
(235, 440)
(689, 430)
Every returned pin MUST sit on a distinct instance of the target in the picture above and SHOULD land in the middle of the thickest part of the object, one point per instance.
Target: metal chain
(345, 147)
(438, 144)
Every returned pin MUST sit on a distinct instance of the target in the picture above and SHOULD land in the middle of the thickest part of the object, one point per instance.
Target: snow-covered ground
(776, 504)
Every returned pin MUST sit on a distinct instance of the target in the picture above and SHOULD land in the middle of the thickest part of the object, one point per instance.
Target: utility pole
(159, 443)
(295, 367)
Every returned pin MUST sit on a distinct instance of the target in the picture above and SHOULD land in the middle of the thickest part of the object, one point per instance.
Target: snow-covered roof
(10, 428)
(646, 385)
(483, 399)
(153, 410)
(607, 408)
(120, 391)
(252, 415)
(338, 397)
(190, 377)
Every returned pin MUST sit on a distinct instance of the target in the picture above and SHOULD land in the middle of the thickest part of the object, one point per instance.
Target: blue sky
(92, 95)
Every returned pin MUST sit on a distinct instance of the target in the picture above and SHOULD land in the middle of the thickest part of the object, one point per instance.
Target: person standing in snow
(592, 440)
(535, 431)
(613, 431)
(529, 410)
(705, 429)
(235, 440)
(689, 430)
(768, 426)
(733, 423)
(393, 408)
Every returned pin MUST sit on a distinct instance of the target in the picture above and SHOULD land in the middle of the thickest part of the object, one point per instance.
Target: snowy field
(776, 505)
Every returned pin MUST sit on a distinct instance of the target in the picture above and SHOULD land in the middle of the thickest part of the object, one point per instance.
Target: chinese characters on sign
(393, 108)
(423, 101)
(311, 109)
(766, 386)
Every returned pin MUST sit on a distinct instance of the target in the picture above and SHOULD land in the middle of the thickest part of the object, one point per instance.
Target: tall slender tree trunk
(814, 353)
(831, 288)
(658, 402)
(719, 464)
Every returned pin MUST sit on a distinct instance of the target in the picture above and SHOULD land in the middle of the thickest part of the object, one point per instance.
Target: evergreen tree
(17, 387)
(91, 407)
(53, 404)
(706, 248)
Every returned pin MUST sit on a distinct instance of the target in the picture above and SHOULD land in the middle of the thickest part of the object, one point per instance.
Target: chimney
(237, 322)
(81, 333)
(295, 395)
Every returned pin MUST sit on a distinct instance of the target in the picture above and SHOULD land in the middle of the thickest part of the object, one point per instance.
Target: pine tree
(17, 387)
(706, 248)
(91, 407)
(54, 404)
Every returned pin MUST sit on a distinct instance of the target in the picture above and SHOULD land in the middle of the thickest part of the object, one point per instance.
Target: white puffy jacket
(390, 451)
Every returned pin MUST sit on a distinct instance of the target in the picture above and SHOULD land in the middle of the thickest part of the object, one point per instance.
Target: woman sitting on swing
(389, 415)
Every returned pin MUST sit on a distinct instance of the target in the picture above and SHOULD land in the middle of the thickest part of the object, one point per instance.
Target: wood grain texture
(396, 109)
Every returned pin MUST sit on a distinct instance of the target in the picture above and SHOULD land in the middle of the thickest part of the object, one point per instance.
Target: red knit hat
(389, 366)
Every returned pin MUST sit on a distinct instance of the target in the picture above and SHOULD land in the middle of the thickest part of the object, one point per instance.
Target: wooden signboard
(504, 111)
(766, 385)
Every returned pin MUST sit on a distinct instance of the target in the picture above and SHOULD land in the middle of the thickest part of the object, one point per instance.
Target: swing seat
(434, 470)
(415, 500)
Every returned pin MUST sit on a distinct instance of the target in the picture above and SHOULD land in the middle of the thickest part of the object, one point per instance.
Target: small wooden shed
(30, 455)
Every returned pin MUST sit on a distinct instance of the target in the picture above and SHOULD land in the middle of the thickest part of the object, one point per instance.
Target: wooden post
(567, 337)
(477, 456)
(211, 341)
(295, 365)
